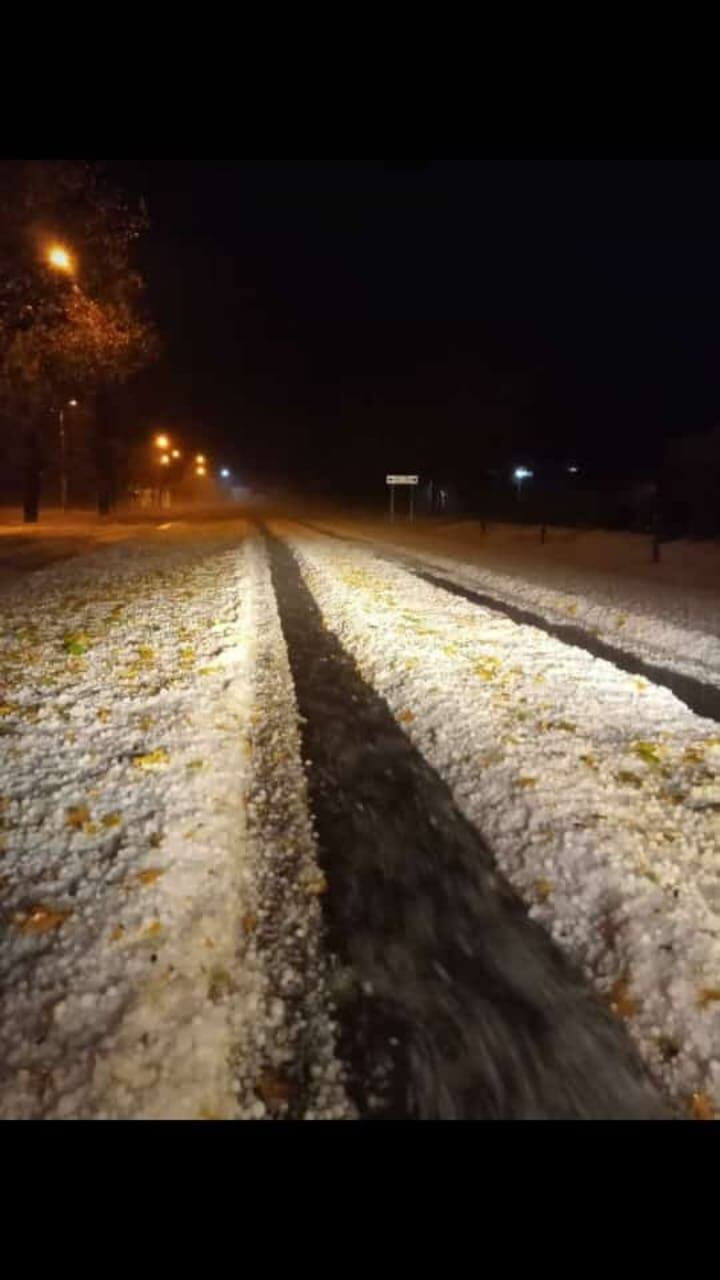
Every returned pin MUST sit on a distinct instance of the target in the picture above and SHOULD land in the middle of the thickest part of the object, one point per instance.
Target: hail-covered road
(291, 828)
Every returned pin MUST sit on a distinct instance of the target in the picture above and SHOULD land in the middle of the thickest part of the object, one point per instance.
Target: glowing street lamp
(162, 442)
(200, 459)
(225, 473)
(60, 259)
(176, 453)
(71, 404)
(165, 460)
(520, 474)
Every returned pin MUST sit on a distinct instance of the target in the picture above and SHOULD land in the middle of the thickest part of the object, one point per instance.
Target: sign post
(391, 481)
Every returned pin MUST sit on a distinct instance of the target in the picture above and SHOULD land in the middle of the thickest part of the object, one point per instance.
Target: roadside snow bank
(599, 792)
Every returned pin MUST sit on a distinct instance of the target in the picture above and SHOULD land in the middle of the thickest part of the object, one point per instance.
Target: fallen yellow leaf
(707, 995)
(318, 885)
(40, 920)
(621, 1001)
(151, 759)
(701, 1108)
(150, 875)
(76, 816)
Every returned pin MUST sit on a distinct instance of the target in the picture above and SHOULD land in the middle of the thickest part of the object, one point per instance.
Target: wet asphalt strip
(452, 1003)
(702, 699)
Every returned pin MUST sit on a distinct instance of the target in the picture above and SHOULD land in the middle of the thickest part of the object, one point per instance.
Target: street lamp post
(520, 474)
(60, 259)
(72, 404)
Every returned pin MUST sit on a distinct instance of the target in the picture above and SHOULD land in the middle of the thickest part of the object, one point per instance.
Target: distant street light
(176, 453)
(573, 470)
(520, 474)
(60, 259)
(162, 442)
(71, 404)
(225, 473)
(165, 460)
(200, 458)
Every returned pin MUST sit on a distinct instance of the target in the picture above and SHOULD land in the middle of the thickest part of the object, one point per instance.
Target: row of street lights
(61, 259)
(168, 454)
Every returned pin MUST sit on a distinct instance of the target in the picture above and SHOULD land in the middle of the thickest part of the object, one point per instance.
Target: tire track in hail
(452, 1003)
(700, 698)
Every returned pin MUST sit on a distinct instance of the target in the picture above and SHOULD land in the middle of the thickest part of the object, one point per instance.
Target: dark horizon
(324, 326)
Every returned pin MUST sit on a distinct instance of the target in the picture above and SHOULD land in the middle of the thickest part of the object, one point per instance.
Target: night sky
(326, 325)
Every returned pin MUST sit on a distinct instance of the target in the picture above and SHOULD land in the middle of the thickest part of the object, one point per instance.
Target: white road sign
(402, 479)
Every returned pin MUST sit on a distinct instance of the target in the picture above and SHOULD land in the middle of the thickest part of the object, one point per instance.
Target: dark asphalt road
(454, 1005)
